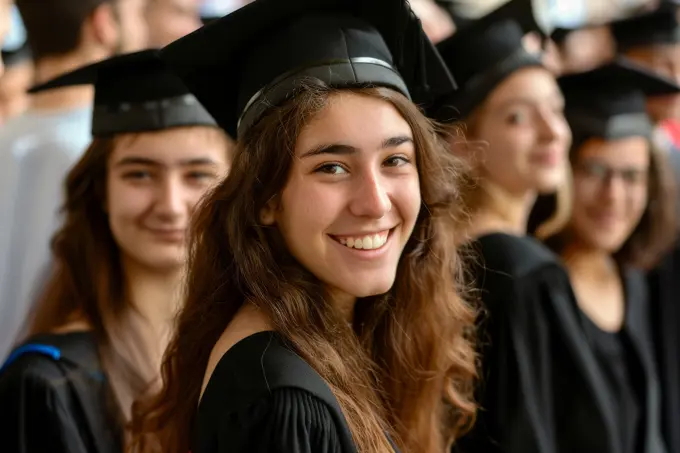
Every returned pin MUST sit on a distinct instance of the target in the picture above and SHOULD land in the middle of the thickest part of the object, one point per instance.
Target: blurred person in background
(623, 222)
(513, 108)
(19, 71)
(38, 148)
(437, 22)
(169, 20)
(583, 49)
(104, 318)
(653, 40)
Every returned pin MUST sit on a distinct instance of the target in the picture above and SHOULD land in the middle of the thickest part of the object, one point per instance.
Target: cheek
(584, 194)
(638, 201)
(307, 210)
(406, 197)
(507, 157)
(126, 204)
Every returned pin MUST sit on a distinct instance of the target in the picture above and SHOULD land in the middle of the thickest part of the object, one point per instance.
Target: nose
(371, 198)
(552, 126)
(614, 189)
(170, 201)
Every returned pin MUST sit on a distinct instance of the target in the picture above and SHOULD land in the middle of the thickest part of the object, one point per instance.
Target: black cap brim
(88, 75)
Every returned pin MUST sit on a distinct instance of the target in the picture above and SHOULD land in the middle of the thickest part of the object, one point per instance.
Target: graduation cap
(256, 57)
(658, 27)
(484, 54)
(134, 93)
(609, 102)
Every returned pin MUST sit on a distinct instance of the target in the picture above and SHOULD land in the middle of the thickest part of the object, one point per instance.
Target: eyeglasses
(604, 173)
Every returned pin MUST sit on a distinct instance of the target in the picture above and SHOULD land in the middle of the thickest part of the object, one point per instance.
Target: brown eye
(331, 169)
(397, 161)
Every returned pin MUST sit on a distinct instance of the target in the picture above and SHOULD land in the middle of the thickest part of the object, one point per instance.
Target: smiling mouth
(171, 235)
(373, 241)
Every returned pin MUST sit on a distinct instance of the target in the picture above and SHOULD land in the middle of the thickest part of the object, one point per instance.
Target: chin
(549, 182)
(607, 242)
(161, 262)
(368, 288)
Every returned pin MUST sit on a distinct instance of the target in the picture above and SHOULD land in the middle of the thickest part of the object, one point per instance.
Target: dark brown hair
(87, 281)
(406, 366)
(55, 27)
(657, 230)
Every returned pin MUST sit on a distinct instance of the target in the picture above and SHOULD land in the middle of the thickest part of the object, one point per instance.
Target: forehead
(626, 151)
(534, 84)
(355, 120)
(172, 145)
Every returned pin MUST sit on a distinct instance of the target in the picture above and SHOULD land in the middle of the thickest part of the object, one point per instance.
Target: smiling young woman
(324, 311)
(105, 314)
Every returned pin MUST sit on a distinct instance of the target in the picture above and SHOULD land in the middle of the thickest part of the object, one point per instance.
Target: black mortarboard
(256, 57)
(484, 54)
(658, 27)
(134, 93)
(609, 102)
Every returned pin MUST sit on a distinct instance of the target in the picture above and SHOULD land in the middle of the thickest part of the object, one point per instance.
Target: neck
(502, 212)
(582, 260)
(74, 97)
(156, 298)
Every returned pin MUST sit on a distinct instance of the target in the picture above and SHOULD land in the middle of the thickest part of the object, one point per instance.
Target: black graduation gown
(664, 285)
(54, 398)
(263, 398)
(543, 389)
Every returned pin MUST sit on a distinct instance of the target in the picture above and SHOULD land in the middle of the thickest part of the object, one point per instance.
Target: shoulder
(32, 381)
(517, 256)
(43, 360)
(261, 391)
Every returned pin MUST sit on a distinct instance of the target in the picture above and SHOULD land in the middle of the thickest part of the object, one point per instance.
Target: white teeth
(367, 242)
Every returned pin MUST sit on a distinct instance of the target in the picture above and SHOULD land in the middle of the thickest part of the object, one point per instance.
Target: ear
(268, 212)
(104, 25)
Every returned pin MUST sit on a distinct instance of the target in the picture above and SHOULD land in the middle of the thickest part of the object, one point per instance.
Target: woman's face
(610, 191)
(527, 135)
(154, 182)
(353, 195)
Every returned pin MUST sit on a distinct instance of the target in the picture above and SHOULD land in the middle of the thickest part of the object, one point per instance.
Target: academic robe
(543, 389)
(263, 398)
(664, 284)
(55, 398)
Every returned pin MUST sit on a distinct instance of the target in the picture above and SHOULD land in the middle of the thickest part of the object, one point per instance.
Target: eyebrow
(342, 149)
(134, 160)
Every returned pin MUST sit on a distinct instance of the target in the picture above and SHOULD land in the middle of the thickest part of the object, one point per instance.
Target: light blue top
(36, 152)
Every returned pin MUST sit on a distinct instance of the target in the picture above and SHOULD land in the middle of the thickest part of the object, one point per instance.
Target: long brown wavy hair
(406, 366)
(87, 282)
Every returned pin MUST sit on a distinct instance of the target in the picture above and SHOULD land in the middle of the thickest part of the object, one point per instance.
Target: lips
(174, 235)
